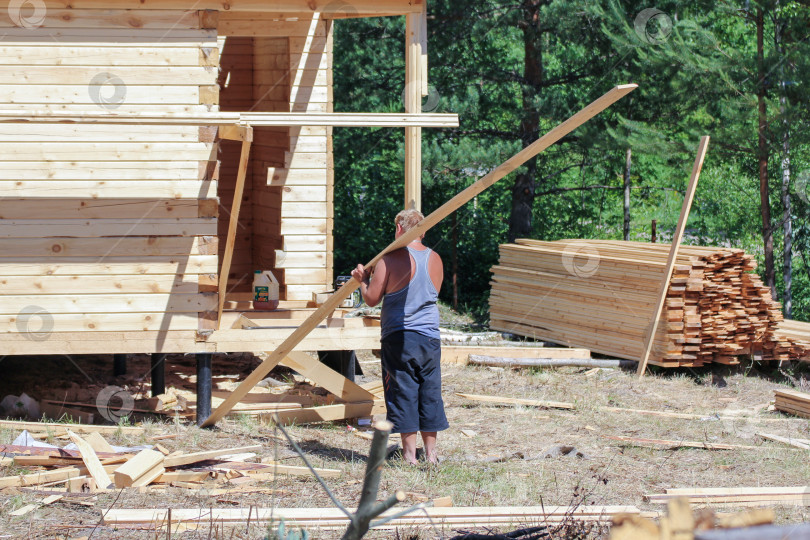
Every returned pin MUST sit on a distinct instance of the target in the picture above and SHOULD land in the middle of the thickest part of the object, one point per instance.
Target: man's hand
(360, 273)
(372, 287)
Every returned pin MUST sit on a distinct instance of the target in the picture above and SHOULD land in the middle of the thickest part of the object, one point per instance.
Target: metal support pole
(119, 364)
(203, 387)
(158, 374)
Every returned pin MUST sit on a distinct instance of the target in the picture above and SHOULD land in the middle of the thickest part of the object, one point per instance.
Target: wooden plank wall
(304, 183)
(289, 224)
(236, 94)
(107, 228)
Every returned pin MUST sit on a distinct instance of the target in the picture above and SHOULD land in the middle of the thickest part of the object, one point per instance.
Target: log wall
(107, 228)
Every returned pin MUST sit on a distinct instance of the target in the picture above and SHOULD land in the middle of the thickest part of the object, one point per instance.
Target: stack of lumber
(798, 333)
(601, 295)
(792, 402)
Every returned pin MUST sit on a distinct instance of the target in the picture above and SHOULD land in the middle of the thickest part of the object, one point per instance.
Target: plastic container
(265, 290)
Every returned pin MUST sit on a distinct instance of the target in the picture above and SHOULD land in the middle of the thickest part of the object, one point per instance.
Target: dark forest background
(737, 71)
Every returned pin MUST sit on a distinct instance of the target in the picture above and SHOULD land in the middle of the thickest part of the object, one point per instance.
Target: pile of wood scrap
(95, 466)
(333, 518)
(601, 295)
(792, 402)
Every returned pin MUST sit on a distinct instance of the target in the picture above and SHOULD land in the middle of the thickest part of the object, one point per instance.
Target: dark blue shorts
(412, 380)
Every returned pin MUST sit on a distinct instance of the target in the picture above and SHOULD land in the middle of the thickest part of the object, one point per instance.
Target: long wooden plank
(241, 174)
(333, 517)
(446, 209)
(326, 413)
(326, 378)
(186, 459)
(500, 400)
(309, 8)
(460, 354)
(34, 479)
(62, 429)
(673, 254)
(395, 120)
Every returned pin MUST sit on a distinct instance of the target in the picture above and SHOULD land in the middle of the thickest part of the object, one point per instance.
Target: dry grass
(612, 473)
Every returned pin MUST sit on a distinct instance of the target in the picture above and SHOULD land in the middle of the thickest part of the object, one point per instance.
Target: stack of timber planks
(798, 334)
(793, 402)
(601, 295)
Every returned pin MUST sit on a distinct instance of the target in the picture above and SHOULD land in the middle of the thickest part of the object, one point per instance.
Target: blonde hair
(408, 219)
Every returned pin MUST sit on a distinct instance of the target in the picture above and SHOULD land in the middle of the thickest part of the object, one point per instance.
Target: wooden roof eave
(330, 9)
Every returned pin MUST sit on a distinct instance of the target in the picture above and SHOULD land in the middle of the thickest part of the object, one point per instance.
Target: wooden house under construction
(155, 153)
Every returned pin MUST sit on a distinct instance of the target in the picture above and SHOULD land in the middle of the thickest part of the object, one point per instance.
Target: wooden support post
(413, 105)
(247, 139)
(673, 254)
(653, 232)
(158, 374)
(435, 217)
(119, 365)
(203, 386)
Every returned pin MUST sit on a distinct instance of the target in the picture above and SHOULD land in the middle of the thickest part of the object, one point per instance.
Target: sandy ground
(610, 473)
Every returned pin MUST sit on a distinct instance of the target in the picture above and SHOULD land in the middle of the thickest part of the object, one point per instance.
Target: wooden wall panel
(236, 94)
(105, 227)
(271, 94)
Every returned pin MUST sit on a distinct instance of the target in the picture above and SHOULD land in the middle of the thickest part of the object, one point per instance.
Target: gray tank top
(413, 307)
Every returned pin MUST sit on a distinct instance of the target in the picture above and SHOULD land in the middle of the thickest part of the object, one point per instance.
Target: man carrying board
(408, 280)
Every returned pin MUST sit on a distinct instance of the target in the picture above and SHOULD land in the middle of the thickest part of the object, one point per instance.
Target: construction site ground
(610, 473)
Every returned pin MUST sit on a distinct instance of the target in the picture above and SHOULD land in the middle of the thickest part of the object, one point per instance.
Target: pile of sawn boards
(601, 295)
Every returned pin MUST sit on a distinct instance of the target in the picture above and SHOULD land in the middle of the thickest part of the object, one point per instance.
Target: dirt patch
(611, 473)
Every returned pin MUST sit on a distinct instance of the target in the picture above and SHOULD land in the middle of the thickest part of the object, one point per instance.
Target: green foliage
(696, 67)
(283, 534)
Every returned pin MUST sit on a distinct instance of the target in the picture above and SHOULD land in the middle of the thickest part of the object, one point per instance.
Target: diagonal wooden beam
(327, 378)
(435, 217)
(673, 254)
(246, 136)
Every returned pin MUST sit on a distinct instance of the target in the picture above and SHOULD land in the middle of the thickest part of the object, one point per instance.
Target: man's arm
(436, 270)
(372, 288)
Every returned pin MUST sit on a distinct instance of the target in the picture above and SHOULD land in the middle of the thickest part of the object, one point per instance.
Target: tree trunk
(520, 220)
(627, 165)
(787, 255)
(762, 126)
